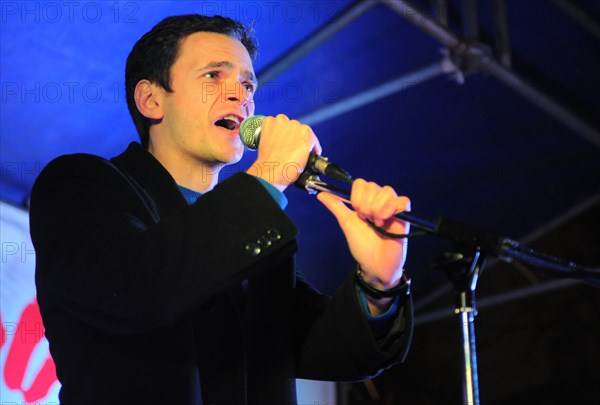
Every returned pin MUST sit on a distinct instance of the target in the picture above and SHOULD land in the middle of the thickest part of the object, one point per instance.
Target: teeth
(232, 118)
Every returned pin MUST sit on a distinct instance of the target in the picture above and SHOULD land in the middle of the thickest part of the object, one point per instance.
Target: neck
(189, 173)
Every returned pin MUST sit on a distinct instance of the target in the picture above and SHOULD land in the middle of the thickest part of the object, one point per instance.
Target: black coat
(144, 300)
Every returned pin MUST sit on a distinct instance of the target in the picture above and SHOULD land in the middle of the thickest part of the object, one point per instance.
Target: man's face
(213, 84)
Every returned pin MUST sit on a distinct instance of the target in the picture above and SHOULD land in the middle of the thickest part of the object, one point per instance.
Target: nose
(236, 92)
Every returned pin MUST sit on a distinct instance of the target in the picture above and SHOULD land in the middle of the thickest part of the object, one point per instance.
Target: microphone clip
(307, 181)
(312, 183)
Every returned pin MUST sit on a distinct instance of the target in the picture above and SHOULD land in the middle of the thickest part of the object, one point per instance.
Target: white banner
(27, 371)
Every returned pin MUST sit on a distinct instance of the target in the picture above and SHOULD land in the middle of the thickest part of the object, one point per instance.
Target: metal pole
(580, 16)
(385, 89)
(542, 100)
(470, 377)
(427, 24)
(467, 311)
(508, 77)
(501, 32)
(440, 8)
(315, 39)
(470, 20)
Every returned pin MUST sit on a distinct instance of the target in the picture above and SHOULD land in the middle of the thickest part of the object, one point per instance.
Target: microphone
(250, 134)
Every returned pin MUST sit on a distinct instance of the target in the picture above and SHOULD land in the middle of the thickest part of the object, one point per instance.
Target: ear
(148, 99)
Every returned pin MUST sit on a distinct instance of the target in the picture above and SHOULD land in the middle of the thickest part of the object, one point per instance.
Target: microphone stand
(463, 268)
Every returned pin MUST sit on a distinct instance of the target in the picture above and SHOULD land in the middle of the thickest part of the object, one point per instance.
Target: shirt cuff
(279, 197)
(380, 324)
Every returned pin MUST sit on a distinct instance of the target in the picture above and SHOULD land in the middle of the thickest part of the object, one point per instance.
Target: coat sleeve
(104, 255)
(340, 344)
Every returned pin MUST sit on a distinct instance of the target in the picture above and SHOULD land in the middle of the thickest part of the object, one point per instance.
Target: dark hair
(153, 55)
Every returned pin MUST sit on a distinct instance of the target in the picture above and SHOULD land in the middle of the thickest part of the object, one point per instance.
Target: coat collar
(151, 175)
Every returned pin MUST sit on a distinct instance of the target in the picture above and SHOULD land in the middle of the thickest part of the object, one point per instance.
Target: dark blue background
(476, 152)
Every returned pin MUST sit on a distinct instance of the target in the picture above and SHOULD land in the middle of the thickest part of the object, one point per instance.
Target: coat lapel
(152, 177)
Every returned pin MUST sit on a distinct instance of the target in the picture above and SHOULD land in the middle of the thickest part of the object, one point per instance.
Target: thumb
(335, 205)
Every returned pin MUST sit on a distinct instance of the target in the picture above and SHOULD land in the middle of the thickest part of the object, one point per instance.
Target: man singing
(160, 285)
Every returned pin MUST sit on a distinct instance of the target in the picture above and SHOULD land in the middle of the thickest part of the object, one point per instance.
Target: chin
(234, 157)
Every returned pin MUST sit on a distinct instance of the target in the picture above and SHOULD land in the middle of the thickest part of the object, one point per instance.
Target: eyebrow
(225, 64)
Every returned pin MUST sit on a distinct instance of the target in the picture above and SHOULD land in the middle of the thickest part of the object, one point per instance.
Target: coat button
(253, 249)
(273, 234)
(264, 241)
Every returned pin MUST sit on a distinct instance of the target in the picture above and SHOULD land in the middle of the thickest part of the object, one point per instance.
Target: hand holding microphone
(287, 149)
(286, 144)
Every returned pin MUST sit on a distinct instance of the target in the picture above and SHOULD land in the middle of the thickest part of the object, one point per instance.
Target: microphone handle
(322, 165)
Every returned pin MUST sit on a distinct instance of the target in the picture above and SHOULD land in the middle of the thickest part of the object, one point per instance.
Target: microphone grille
(250, 131)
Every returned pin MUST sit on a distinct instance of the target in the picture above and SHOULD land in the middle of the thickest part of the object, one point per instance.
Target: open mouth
(230, 122)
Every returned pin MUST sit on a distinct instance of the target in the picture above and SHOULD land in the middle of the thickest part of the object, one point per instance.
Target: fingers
(336, 205)
(283, 131)
(284, 149)
(317, 146)
(375, 203)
